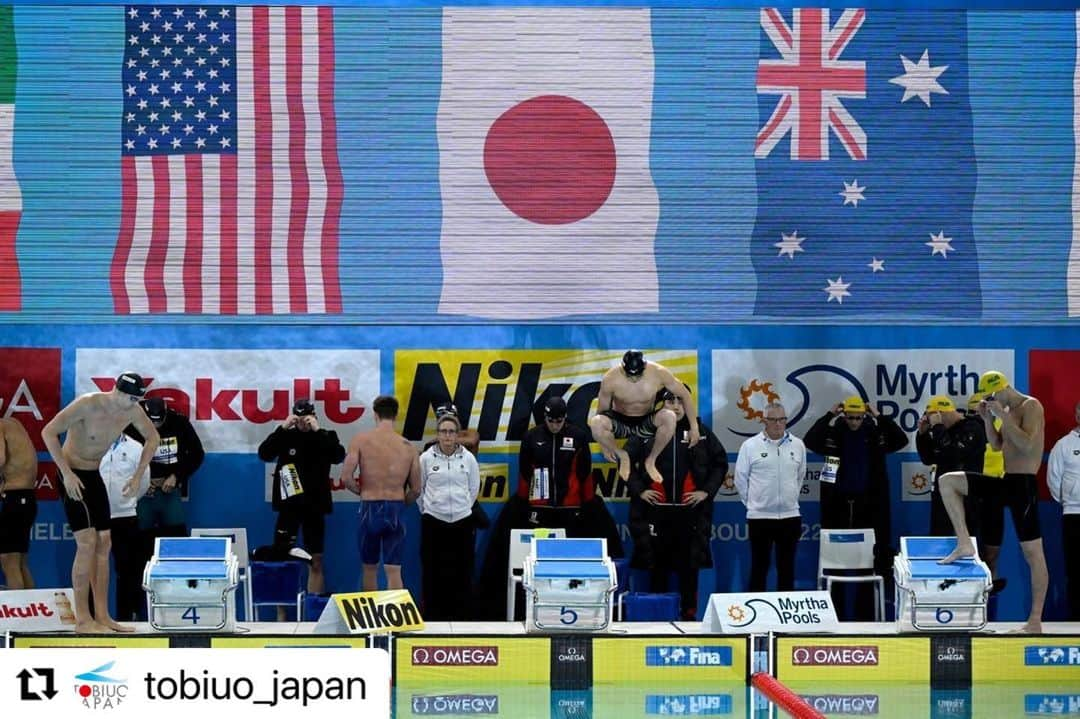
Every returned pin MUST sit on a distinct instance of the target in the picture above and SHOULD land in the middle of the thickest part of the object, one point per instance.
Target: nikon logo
(364, 614)
(494, 392)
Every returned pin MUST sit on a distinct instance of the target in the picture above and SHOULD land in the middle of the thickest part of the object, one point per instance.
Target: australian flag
(865, 166)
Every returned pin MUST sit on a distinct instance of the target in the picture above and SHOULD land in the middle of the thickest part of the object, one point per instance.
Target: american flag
(231, 184)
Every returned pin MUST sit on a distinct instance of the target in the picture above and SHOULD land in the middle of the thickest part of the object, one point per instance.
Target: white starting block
(569, 585)
(932, 597)
(190, 584)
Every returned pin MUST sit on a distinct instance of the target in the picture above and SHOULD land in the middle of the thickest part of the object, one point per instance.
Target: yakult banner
(495, 390)
(235, 397)
(809, 382)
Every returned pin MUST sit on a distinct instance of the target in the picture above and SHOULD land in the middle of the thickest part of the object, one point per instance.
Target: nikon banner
(370, 613)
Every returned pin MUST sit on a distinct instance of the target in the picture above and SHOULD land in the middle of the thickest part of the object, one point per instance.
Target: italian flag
(10, 197)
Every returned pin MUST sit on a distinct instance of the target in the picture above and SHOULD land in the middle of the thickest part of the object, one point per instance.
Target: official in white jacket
(1063, 478)
(129, 552)
(449, 484)
(768, 476)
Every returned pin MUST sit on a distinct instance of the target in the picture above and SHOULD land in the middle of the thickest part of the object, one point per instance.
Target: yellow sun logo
(736, 613)
(747, 393)
(918, 481)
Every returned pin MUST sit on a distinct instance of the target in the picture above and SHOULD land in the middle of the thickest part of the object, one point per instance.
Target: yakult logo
(234, 397)
(484, 656)
(835, 656)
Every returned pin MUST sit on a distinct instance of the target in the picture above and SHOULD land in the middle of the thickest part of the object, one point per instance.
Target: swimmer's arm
(150, 444)
(412, 491)
(352, 461)
(1021, 431)
(604, 396)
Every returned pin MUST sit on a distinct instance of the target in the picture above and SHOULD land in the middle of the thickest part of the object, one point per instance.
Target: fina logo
(709, 656)
(688, 704)
(1052, 703)
(1052, 656)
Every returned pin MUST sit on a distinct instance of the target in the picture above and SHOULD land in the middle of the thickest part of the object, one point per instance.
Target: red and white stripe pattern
(811, 80)
(255, 232)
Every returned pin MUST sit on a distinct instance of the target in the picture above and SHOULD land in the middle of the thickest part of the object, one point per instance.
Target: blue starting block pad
(931, 596)
(569, 585)
(190, 584)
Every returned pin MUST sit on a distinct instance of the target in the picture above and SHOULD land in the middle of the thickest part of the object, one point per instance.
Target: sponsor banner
(916, 481)
(950, 661)
(1036, 659)
(47, 486)
(1052, 703)
(236, 397)
(844, 704)
(453, 704)
(37, 610)
(392, 610)
(743, 613)
(169, 684)
(571, 662)
(30, 387)
(78, 641)
(468, 660)
(809, 382)
(288, 642)
(858, 658)
(688, 704)
(669, 659)
(494, 481)
(495, 391)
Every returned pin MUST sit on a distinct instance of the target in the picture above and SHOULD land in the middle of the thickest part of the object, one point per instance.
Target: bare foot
(654, 473)
(91, 627)
(1033, 626)
(624, 464)
(963, 549)
(115, 626)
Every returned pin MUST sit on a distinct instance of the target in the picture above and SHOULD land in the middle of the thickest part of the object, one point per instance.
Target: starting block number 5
(191, 614)
(567, 616)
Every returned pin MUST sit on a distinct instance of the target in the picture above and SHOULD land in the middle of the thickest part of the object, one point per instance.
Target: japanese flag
(549, 206)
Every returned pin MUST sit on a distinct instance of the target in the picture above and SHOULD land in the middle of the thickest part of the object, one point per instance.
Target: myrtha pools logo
(98, 690)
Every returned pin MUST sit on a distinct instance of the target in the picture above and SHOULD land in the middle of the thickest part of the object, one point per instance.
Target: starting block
(932, 597)
(569, 585)
(190, 584)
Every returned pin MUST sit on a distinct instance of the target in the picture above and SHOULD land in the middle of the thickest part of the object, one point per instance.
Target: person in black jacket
(950, 441)
(179, 455)
(671, 521)
(857, 435)
(301, 493)
(556, 490)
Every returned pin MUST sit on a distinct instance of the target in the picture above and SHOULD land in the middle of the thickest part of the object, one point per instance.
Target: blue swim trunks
(381, 532)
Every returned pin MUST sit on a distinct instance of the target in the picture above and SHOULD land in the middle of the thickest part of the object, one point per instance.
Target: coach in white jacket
(768, 477)
(1063, 478)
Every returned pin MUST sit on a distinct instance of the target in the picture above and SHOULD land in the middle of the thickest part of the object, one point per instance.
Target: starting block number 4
(191, 615)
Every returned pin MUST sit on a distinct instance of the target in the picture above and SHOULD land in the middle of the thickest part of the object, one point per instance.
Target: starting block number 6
(567, 616)
(943, 615)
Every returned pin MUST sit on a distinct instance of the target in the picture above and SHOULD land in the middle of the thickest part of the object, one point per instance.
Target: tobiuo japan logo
(687, 656)
(1052, 656)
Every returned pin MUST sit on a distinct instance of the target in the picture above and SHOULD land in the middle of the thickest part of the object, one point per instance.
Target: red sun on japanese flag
(550, 159)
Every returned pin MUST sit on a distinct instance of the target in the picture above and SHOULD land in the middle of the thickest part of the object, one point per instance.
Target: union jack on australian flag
(865, 165)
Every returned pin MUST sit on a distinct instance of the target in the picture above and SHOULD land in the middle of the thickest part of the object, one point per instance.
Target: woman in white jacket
(768, 477)
(1063, 479)
(449, 484)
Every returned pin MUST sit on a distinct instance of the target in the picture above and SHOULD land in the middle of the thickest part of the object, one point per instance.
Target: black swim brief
(18, 510)
(93, 509)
